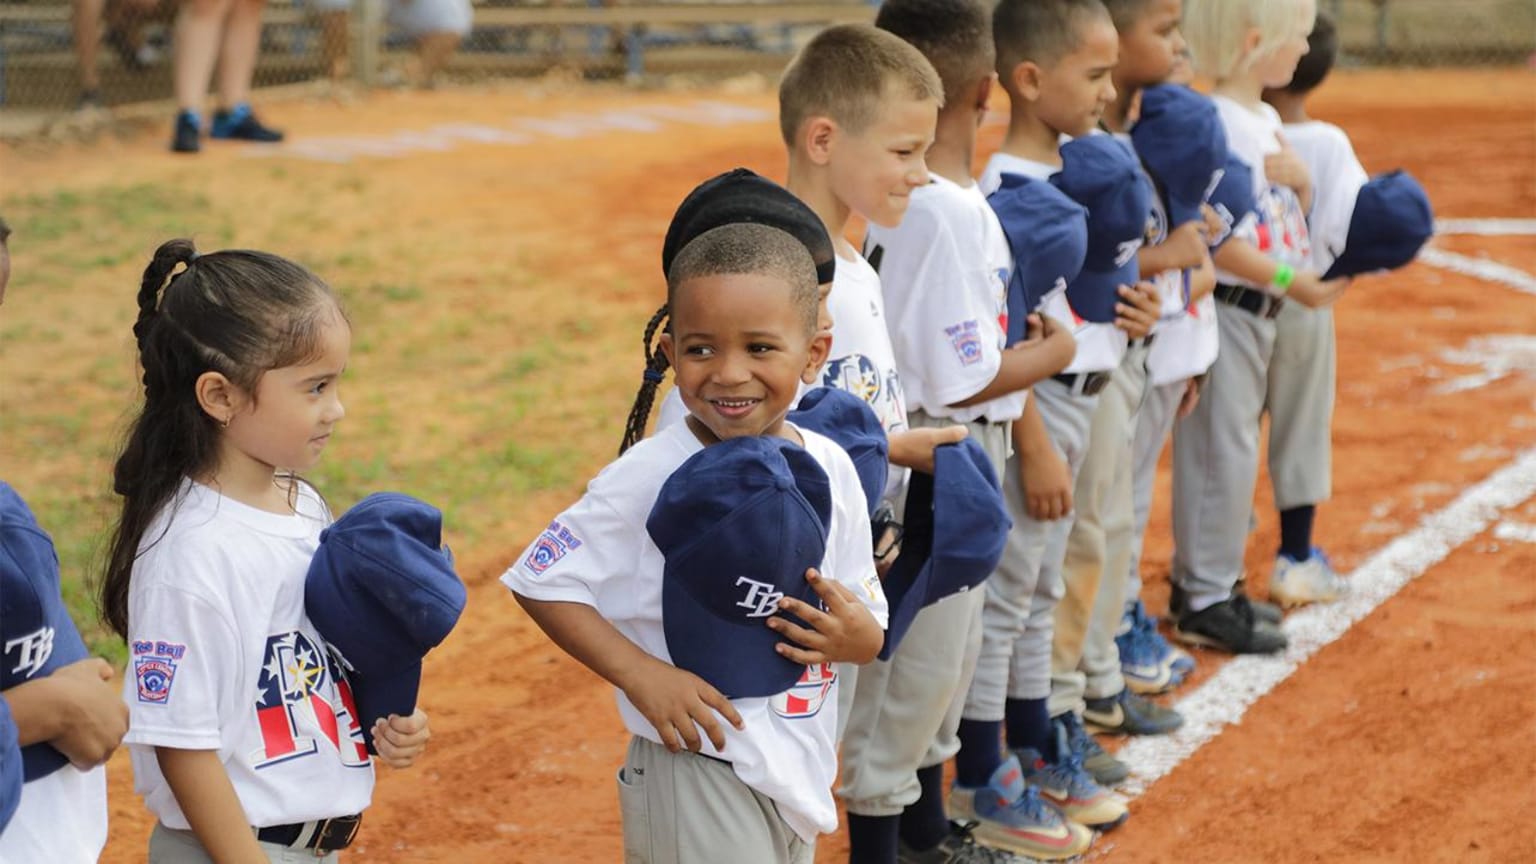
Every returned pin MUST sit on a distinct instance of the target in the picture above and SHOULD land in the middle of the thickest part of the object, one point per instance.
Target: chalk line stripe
(1517, 531)
(1480, 268)
(1223, 698)
(1487, 227)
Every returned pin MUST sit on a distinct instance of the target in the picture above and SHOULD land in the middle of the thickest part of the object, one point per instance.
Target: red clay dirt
(1409, 739)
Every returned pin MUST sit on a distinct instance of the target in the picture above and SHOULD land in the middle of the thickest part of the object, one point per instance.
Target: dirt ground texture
(498, 290)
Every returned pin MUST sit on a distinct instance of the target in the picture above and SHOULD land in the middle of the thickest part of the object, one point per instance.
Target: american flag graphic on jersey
(808, 695)
(299, 693)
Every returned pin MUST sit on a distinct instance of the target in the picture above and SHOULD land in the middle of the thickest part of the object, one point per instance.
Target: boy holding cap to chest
(675, 575)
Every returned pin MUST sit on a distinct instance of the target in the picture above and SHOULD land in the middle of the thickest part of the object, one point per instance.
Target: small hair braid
(157, 277)
(656, 366)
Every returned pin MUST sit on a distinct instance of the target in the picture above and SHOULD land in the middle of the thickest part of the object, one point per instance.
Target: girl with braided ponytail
(240, 719)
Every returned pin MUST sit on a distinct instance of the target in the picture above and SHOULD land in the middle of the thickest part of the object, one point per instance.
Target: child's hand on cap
(678, 704)
(844, 633)
(913, 448)
(401, 740)
(1186, 245)
(1141, 310)
(1314, 292)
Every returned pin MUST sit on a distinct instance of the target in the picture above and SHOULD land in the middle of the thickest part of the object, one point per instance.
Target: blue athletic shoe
(1012, 815)
(239, 124)
(1068, 785)
(1105, 768)
(1147, 662)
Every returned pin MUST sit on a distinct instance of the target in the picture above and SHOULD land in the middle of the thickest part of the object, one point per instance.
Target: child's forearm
(1029, 433)
(586, 635)
(1244, 260)
(212, 808)
(1025, 366)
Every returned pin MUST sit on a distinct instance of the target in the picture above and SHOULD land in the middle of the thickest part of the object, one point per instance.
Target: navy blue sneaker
(1147, 662)
(239, 124)
(188, 137)
(1014, 816)
(1125, 713)
(1066, 784)
(1105, 768)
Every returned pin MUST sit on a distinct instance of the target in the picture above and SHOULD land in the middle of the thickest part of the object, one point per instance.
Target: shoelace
(1144, 644)
(1079, 742)
(1032, 807)
(1068, 770)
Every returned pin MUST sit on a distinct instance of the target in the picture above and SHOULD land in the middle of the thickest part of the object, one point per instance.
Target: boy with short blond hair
(944, 273)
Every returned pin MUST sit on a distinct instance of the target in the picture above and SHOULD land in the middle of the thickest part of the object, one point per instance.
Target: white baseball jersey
(222, 657)
(1337, 176)
(1281, 229)
(598, 553)
(1187, 337)
(1100, 347)
(61, 819)
(944, 273)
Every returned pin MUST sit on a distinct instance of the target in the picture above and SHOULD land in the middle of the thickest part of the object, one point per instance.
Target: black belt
(1083, 383)
(1258, 303)
(323, 836)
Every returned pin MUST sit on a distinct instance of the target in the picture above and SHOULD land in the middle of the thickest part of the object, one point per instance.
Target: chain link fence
(60, 54)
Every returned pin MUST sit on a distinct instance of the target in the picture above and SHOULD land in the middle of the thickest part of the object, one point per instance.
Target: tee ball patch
(154, 669)
(965, 338)
(553, 543)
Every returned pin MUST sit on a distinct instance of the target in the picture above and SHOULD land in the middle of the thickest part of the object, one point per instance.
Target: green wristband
(1285, 274)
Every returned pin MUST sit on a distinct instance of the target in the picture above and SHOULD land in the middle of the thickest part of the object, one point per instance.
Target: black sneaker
(187, 137)
(1229, 626)
(242, 125)
(1263, 612)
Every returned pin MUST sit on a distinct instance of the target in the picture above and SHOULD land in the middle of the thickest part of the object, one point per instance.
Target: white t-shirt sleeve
(1337, 176)
(181, 650)
(575, 557)
(946, 331)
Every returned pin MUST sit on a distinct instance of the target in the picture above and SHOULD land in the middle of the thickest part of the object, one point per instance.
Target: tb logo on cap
(762, 598)
(35, 649)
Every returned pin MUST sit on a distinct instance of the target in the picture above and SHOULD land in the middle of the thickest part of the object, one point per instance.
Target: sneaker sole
(1291, 601)
(1094, 726)
(1077, 839)
(1204, 641)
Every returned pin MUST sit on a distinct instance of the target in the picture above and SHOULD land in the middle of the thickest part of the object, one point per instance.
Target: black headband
(742, 196)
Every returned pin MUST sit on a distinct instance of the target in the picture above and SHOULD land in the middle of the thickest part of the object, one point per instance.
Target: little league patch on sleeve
(965, 338)
(553, 543)
(154, 668)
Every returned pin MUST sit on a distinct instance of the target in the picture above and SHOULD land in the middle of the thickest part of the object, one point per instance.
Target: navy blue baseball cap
(1232, 199)
(956, 524)
(382, 592)
(853, 426)
(1391, 223)
(740, 196)
(1048, 235)
(10, 766)
(40, 637)
(1182, 143)
(739, 524)
(1102, 174)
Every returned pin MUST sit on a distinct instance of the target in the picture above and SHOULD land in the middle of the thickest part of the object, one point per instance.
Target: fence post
(368, 34)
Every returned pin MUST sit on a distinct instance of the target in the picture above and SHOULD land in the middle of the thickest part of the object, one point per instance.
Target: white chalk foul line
(1222, 699)
(1487, 227)
(1481, 268)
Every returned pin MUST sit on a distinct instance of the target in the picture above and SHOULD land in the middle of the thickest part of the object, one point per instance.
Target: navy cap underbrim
(907, 584)
(380, 694)
(1093, 294)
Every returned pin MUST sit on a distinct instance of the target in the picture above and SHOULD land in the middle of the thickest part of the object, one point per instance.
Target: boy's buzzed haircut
(843, 74)
(1124, 12)
(748, 247)
(1040, 31)
(1322, 51)
(955, 36)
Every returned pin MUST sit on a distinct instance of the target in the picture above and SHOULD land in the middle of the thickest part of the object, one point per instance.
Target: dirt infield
(498, 250)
